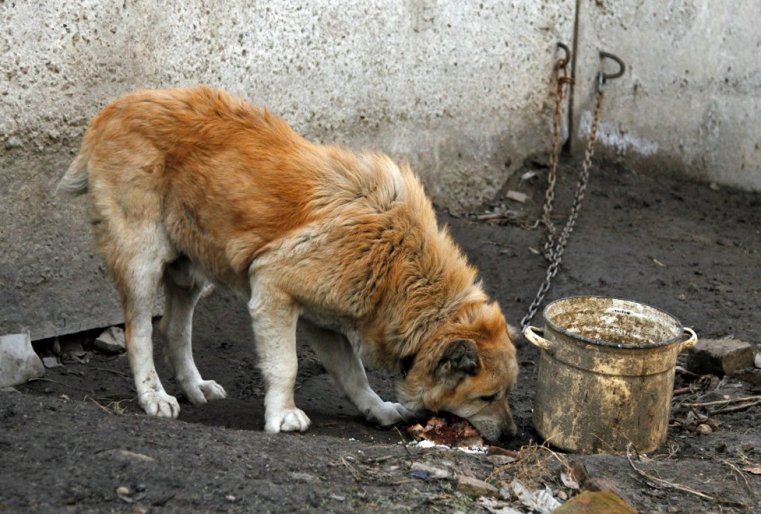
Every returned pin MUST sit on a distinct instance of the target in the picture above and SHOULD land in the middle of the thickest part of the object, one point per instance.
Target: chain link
(555, 246)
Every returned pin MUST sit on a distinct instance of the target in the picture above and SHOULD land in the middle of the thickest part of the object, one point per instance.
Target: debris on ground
(720, 356)
(111, 340)
(475, 487)
(517, 196)
(591, 502)
(458, 433)
(18, 361)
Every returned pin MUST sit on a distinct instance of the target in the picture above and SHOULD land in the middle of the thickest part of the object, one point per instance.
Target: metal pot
(606, 374)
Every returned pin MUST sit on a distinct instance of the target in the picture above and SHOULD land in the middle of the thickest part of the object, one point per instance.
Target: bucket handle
(530, 332)
(690, 342)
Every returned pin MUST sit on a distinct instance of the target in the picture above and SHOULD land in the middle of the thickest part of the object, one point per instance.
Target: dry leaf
(753, 470)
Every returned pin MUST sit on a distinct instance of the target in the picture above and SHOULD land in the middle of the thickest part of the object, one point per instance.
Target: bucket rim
(610, 344)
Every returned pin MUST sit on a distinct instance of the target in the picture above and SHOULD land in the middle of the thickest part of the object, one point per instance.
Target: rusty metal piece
(606, 374)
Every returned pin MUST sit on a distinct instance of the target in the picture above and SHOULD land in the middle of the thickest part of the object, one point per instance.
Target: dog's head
(467, 368)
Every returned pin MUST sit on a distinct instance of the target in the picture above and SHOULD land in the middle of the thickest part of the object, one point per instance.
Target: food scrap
(457, 433)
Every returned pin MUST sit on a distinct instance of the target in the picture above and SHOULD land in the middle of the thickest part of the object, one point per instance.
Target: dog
(194, 188)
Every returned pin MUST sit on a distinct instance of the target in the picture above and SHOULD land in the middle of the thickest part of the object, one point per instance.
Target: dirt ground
(70, 441)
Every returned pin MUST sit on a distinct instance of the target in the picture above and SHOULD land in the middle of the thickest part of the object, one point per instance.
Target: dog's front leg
(274, 316)
(344, 365)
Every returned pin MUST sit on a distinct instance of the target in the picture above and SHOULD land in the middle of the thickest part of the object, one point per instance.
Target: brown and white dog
(190, 187)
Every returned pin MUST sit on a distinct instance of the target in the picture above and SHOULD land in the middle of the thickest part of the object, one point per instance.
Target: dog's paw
(390, 413)
(287, 420)
(158, 403)
(204, 391)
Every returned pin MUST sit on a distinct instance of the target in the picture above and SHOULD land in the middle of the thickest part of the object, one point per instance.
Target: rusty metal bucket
(606, 374)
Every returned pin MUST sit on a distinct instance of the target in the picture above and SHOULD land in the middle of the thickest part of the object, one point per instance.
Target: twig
(404, 444)
(736, 408)
(684, 371)
(664, 483)
(725, 402)
(492, 216)
(115, 372)
(356, 474)
(742, 475)
(101, 407)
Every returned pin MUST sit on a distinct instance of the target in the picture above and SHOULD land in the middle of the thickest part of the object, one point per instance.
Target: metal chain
(563, 79)
(554, 248)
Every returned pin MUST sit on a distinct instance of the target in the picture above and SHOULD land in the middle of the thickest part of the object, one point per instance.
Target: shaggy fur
(190, 187)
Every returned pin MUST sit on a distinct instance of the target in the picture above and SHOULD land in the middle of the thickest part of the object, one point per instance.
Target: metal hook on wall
(602, 77)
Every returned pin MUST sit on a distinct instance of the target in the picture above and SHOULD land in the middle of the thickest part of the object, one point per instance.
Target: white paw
(390, 413)
(158, 403)
(287, 420)
(204, 391)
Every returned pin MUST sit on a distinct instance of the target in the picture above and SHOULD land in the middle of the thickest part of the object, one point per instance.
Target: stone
(720, 356)
(592, 502)
(500, 460)
(749, 375)
(123, 455)
(475, 487)
(517, 196)
(111, 340)
(51, 361)
(430, 471)
(18, 362)
(306, 478)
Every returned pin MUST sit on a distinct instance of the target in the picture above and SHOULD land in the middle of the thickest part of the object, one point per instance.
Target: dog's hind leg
(344, 365)
(136, 258)
(183, 289)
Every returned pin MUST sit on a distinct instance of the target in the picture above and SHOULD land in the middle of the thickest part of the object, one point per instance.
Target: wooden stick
(736, 407)
(725, 402)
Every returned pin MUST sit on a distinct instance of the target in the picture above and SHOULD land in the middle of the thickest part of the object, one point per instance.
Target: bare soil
(75, 440)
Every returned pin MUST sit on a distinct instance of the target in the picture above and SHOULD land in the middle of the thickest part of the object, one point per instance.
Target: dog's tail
(75, 180)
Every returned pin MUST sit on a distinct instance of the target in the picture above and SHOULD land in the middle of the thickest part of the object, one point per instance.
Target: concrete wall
(689, 101)
(460, 89)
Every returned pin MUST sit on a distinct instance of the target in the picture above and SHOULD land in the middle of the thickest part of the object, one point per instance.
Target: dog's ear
(460, 356)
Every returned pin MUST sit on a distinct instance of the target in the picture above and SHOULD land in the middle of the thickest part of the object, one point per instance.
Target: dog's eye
(489, 399)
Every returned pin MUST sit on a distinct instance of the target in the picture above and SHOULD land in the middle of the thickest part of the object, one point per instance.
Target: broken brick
(720, 356)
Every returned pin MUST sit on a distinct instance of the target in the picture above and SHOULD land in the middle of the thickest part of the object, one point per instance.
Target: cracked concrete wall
(460, 89)
(689, 100)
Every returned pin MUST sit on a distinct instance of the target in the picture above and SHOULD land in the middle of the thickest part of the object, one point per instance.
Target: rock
(126, 455)
(592, 502)
(517, 196)
(429, 471)
(720, 356)
(749, 375)
(475, 487)
(111, 340)
(18, 362)
(306, 478)
(13, 142)
(51, 362)
(757, 360)
(500, 460)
